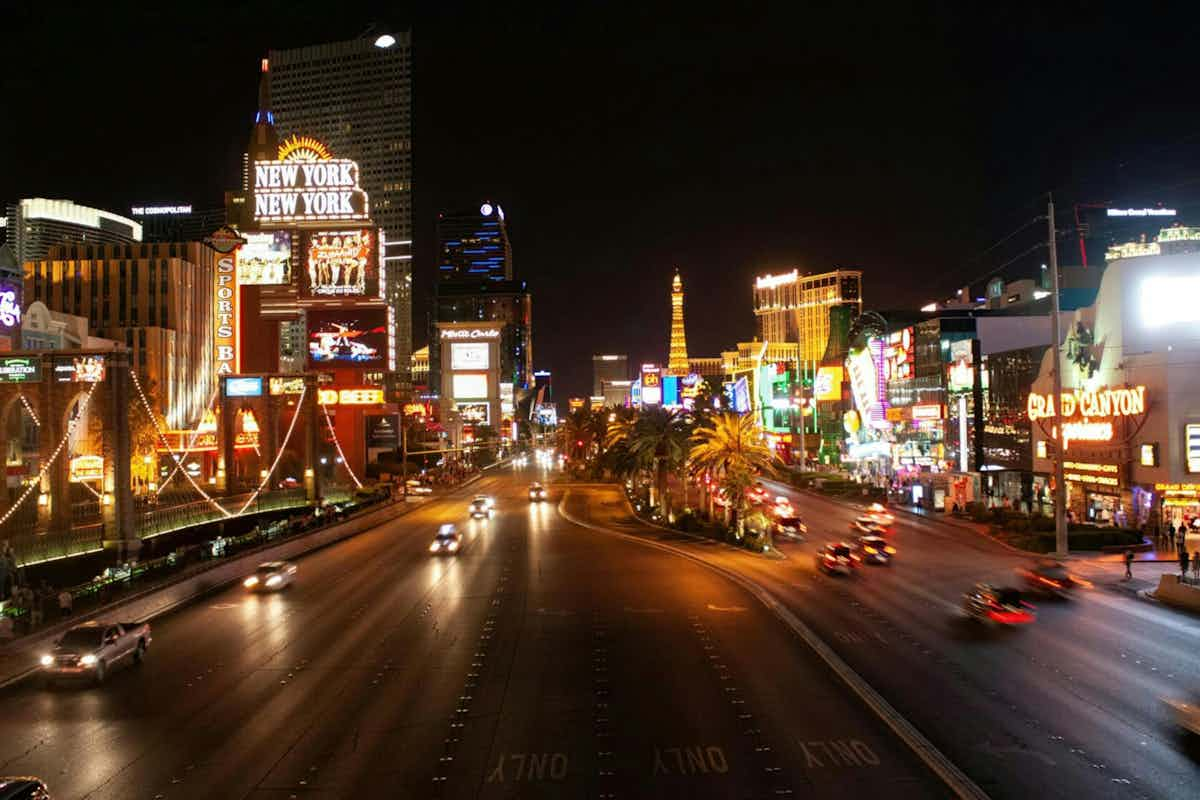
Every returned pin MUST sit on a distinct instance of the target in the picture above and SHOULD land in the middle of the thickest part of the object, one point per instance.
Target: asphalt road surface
(545, 660)
(1068, 707)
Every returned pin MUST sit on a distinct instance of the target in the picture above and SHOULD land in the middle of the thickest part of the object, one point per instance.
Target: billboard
(474, 413)
(347, 337)
(243, 387)
(468, 386)
(340, 263)
(20, 369)
(79, 369)
(306, 183)
(468, 355)
(828, 383)
(265, 259)
(10, 308)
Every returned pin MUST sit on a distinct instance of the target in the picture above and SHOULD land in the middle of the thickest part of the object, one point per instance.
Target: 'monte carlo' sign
(305, 183)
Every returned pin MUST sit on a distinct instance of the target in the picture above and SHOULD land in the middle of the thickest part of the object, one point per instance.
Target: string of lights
(341, 455)
(29, 408)
(191, 443)
(36, 481)
(162, 436)
(279, 454)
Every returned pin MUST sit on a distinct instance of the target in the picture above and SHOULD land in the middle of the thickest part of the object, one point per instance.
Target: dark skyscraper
(356, 98)
(474, 244)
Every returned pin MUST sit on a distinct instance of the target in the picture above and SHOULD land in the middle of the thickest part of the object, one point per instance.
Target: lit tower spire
(677, 361)
(264, 141)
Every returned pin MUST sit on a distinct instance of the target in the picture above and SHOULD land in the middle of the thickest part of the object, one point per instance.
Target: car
(89, 650)
(875, 550)
(879, 512)
(1049, 577)
(24, 787)
(1185, 713)
(837, 558)
(793, 527)
(486, 499)
(998, 605)
(536, 492)
(757, 494)
(447, 540)
(783, 507)
(271, 576)
(866, 526)
(480, 509)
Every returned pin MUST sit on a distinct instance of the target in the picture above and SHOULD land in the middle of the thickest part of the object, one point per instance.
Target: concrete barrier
(1182, 595)
(156, 601)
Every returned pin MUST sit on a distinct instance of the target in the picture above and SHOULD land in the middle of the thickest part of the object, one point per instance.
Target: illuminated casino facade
(1129, 413)
(304, 278)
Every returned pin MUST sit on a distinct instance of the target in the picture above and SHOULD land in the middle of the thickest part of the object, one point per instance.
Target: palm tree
(729, 447)
(577, 434)
(659, 441)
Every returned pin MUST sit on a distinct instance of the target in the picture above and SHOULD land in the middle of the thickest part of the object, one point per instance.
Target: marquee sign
(470, 333)
(86, 468)
(225, 318)
(306, 184)
(10, 305)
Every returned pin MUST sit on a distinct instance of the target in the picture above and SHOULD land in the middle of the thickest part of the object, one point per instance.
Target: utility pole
(1060, 486)
(404, 453)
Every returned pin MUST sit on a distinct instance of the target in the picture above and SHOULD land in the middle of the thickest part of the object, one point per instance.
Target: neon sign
(1122, 402)
(306, 184)
(86, 468)
(225, 319)
(771, 281)
(350, 397)
(472, 333)
(10, 304)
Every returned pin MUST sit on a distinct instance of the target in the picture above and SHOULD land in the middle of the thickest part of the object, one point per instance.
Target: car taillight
(891, 551)
(871, 550)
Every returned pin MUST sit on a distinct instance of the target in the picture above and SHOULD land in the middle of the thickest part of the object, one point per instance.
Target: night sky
(625, 142)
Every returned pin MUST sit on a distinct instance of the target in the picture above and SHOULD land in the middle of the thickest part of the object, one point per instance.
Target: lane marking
(954, 778)
(730, 609)
(823, 753)
(690, 760)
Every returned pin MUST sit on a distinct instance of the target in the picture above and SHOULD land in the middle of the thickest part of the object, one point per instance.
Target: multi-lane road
(544, 660)
(1068, 707)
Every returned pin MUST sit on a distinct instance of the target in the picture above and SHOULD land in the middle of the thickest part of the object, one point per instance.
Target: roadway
(545, 660)
(1068, 707)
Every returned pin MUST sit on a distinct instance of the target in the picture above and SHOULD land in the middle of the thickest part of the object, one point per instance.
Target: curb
(774, 552)
(945, 769)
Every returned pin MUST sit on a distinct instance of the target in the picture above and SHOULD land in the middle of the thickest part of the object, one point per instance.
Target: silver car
(271, 576)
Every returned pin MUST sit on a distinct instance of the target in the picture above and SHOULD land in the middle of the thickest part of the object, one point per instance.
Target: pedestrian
(1183, 563)
(65, 600)
(1171, 532)
(1196, 567)
(1129, 564)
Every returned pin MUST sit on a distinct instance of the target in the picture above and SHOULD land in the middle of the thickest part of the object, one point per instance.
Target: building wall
(795, 308)
(473, 244)
(608, 367)
(156, 298)
(37, 224)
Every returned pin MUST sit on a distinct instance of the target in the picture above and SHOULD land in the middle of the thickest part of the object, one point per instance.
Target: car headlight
(250, 582)
(274, 580)
(88, 660)
(433, 548)
(453, 546)
(47, 660)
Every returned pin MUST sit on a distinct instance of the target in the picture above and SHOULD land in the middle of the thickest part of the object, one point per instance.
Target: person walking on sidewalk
(1129, 564)
(65, 600)
(1183, 563)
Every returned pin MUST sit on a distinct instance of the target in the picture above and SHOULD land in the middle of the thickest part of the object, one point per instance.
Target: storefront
(1129, 412)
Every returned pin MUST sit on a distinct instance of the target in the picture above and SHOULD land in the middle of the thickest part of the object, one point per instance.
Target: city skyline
(920, 198)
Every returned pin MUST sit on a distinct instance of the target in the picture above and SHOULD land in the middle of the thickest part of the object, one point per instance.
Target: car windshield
(841, 551)
(265, 569)
(82, 637)
(789, 520)
(447, 536)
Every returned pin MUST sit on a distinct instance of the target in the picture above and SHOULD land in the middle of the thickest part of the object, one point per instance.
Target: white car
(271, 576)
(447, 540)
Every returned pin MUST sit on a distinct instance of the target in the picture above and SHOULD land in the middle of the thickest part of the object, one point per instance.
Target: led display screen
(349, 337)
(265, 259)
(469, 385)
(474, 413)
(243, 387)
(469, 355)
(340, 264)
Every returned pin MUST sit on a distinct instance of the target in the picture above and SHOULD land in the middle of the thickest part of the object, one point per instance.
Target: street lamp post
(1060, 487)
